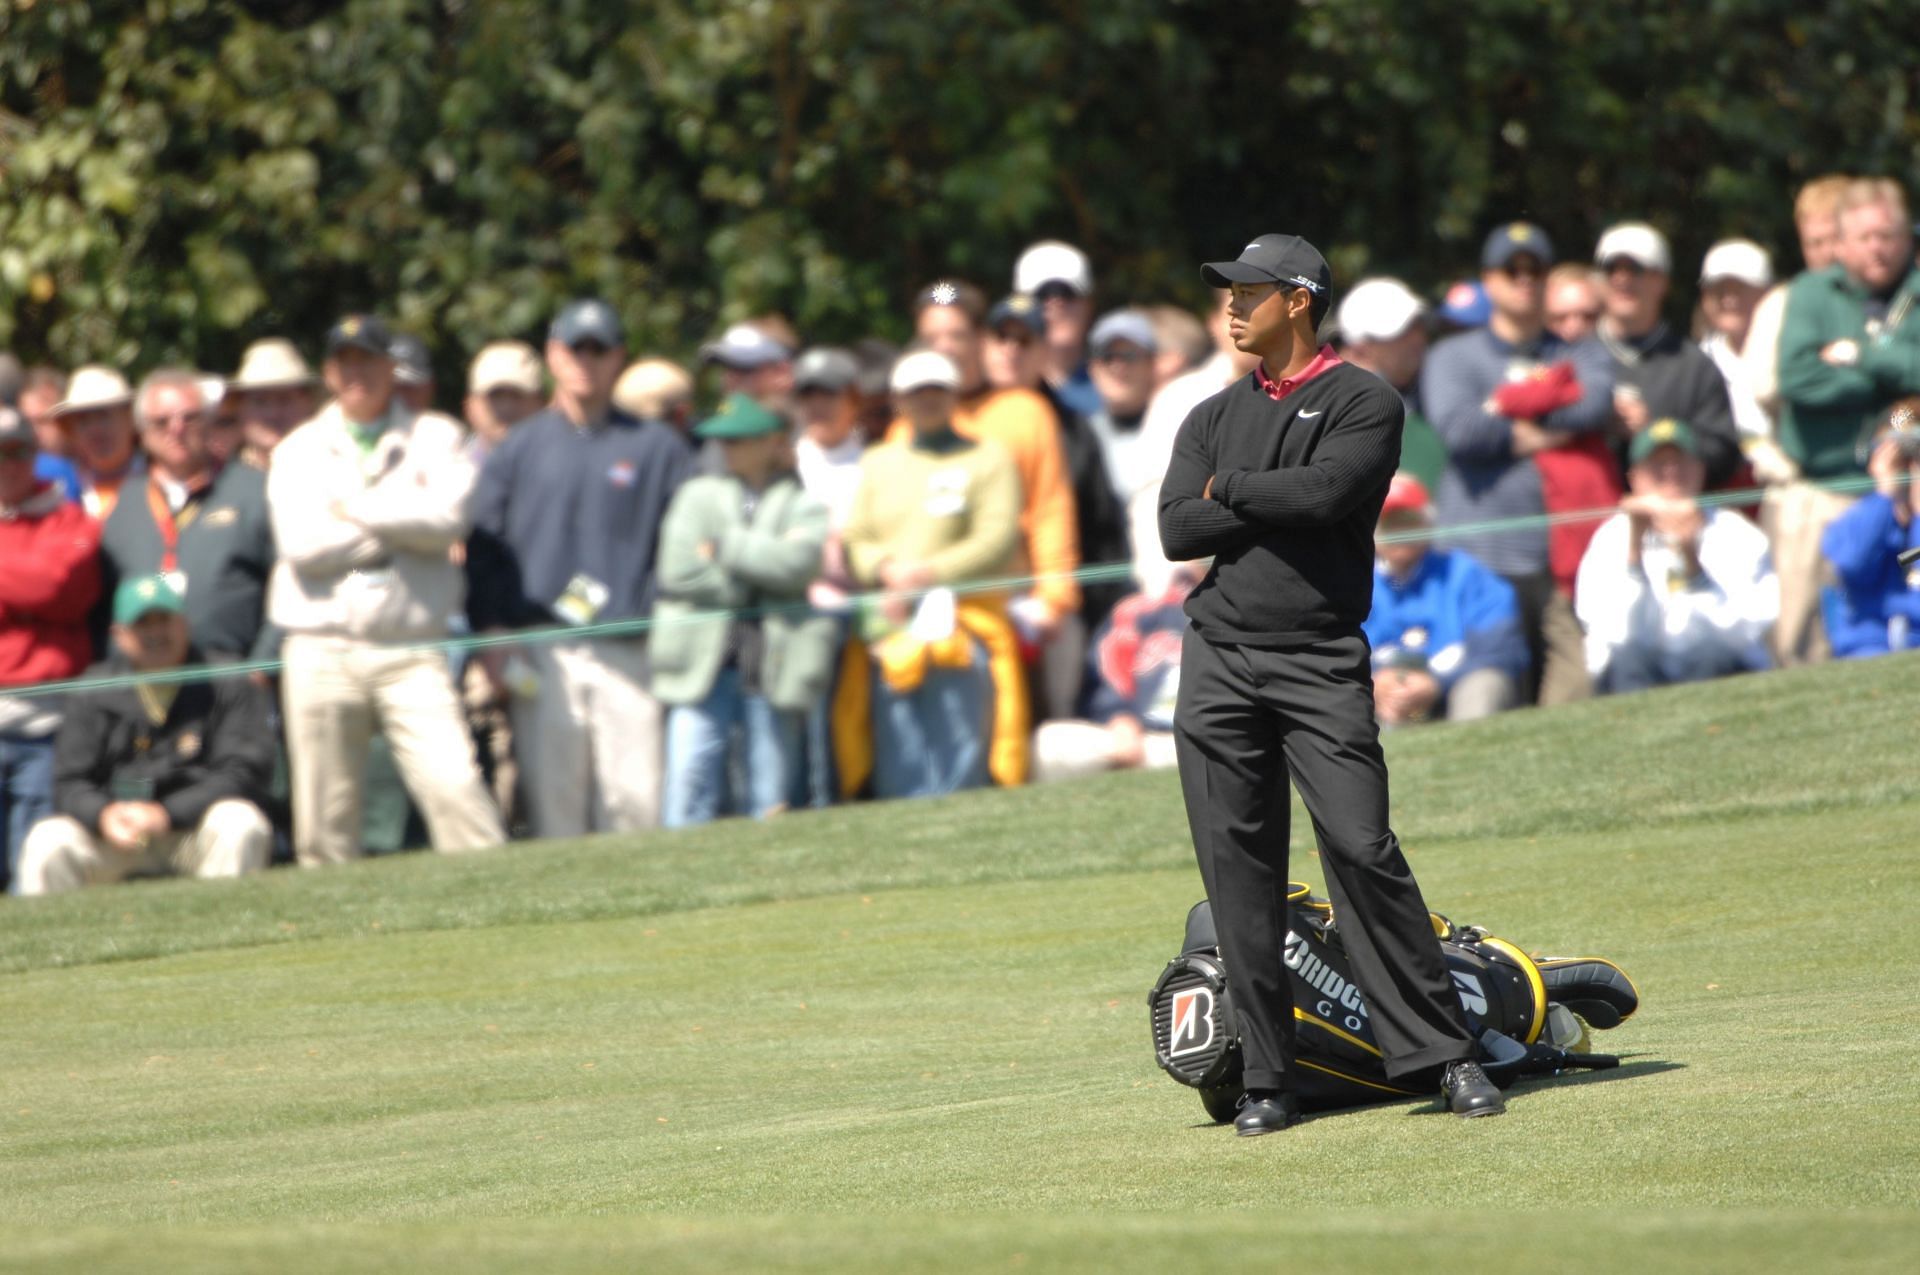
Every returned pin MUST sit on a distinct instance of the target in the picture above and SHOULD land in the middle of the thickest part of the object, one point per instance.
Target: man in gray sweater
(1502, 398)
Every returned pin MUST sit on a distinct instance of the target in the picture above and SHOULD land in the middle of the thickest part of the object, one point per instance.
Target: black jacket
(216, 743)
(1676, 379)
(1296, 487)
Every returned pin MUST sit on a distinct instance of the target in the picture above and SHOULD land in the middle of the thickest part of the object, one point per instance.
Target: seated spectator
(49, 578)
(272, 393)
(1134, 668)
(202, 525)
(157, 777)
(1383, 328)
(950, 319)
(1059, 276)
(745, 542)
(1657, 373)
(1875, 607)
(656, 390)
(1445, 631)
(97, 418)
(369, 504)
(934, 511)
(413, 381)
(1671, 591)
(1573, 306)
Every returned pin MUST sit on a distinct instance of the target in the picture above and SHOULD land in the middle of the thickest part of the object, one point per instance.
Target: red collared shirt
(1325, 361)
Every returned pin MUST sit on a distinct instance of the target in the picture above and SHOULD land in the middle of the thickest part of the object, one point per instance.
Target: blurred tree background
(182, 176)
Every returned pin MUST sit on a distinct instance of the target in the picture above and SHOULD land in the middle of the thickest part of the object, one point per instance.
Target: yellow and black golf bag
(1530, 1014)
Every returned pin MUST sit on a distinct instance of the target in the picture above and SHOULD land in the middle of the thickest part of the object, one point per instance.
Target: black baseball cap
(360, 332)
(1019, 307)
(1285, 259)
(412, 364)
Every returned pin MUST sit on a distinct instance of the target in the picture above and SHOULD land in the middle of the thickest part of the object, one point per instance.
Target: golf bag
(1529, 1014)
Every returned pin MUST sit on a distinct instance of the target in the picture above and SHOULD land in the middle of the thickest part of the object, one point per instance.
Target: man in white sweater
(1669, 591)
(368, 501)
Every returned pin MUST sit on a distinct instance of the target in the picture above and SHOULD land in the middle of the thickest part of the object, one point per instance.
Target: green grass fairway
(913, 1037)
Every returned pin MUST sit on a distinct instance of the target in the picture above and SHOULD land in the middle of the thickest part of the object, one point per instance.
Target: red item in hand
(1547, 390)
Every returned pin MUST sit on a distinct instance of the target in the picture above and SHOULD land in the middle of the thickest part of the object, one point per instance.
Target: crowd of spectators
(584, 604)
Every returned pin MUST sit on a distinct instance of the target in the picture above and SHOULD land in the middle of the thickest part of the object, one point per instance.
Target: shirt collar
(1325, 361)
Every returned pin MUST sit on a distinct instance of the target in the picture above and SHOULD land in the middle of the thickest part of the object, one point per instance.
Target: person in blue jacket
(1875, 607)
(1445, 630)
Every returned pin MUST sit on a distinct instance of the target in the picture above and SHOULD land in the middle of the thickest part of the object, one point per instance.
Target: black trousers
(1247, 720)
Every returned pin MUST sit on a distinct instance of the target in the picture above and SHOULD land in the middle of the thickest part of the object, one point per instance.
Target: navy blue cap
(1513, 239)
(1286, 259)
(412, 364)
(1465, 305)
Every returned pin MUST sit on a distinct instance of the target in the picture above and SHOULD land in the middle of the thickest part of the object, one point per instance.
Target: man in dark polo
(1280, 478)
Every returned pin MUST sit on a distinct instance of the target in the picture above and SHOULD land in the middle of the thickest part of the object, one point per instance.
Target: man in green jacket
(1849, 347)
(734, 642)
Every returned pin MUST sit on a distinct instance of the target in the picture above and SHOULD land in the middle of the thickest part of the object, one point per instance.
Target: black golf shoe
(1468, 1092)
(1266, 1111)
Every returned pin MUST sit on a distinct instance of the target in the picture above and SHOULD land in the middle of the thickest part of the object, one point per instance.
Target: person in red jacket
(51, 575)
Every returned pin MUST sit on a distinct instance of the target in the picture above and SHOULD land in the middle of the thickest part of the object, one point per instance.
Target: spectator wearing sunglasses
(1524, 415)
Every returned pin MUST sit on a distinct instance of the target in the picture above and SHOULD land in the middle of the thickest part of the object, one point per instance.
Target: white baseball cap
(1051, 261)
(924, 369)
(508, 365)
(1741, 259)
(1637, 242)
(1378, 309)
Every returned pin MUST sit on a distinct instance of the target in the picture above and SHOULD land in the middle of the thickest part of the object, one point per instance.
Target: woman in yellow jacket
(933, 511)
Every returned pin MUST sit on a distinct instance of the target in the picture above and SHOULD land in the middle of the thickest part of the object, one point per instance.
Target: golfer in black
(1280, 477)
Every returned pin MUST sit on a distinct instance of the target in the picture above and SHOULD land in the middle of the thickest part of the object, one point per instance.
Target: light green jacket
(767, 562)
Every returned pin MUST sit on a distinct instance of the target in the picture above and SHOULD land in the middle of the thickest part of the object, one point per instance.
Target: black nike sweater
(1297, 489)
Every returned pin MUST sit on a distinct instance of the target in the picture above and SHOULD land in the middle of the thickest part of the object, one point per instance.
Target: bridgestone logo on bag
(1319, 976)
(1192, 1021)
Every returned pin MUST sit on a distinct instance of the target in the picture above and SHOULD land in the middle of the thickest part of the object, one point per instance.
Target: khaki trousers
(1794, 515)
(335, 692)
(590, 740)
(1564, 679)
(60, 854)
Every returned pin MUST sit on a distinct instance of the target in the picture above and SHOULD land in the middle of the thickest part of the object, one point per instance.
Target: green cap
(136, 597)
(1665, 432)
(739, 417)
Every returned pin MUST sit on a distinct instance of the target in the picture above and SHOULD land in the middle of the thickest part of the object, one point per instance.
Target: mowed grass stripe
(1731, 1242)
(1804, 741)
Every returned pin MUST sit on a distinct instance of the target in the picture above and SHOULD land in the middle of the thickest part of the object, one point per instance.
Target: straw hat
(93, 386)
(271, 364)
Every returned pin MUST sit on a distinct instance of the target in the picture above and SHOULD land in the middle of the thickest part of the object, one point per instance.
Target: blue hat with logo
(1514, 239)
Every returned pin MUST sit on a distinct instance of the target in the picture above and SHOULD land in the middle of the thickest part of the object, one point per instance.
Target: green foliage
(182, 176)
